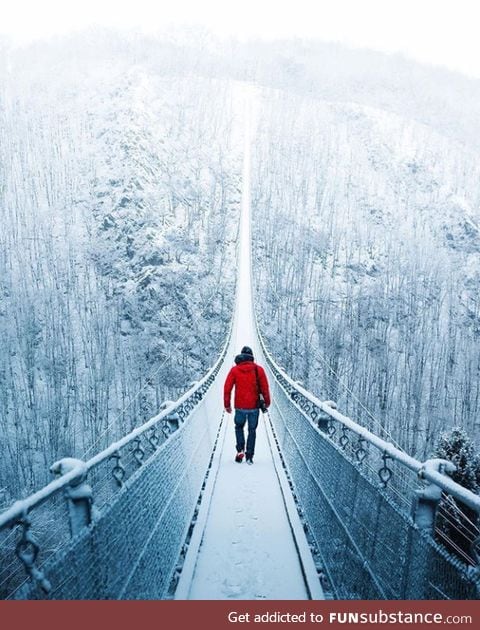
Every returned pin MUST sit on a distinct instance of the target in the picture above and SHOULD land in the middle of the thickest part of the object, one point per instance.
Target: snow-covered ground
(247, 551)
(244, 546)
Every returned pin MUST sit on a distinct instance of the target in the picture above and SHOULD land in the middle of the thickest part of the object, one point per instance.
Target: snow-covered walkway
(247, 551)
(248, 542)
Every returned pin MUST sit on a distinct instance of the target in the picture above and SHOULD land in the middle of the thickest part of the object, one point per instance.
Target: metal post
(323, 417)
(427, 498)
(171, 422)
(424, 512)
(322, 421)
(78, 493)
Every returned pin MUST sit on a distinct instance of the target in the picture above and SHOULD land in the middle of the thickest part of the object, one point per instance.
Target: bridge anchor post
(424, 514)
(78, 493)
(425, 504)
(323, 418)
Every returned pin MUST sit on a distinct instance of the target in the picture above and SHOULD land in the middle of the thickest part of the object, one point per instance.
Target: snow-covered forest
(119, 197)
(119, 203)
(368, 240)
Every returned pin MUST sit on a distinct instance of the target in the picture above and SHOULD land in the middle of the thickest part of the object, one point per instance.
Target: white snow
(247, 550)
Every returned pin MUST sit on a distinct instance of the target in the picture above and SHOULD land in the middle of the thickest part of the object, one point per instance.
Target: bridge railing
(114, 526)
(372, 512)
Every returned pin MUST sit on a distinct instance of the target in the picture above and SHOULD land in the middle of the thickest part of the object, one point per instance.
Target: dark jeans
(250, 416)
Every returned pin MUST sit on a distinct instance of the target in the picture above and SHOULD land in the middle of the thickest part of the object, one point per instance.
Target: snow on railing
(432, 470)
(360, 493)
(78, 469)
(110, 468)
(82, 506)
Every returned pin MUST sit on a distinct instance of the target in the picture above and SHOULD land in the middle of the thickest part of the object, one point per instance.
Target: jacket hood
(246, 367)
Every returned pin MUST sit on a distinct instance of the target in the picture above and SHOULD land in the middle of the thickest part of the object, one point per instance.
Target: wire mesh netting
(358, 511)
(356, 501)
(134, 544)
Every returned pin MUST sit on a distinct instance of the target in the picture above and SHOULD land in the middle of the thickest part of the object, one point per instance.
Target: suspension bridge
(329, 509)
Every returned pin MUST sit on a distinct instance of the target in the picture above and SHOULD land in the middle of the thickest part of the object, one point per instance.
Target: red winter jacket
(242, 377)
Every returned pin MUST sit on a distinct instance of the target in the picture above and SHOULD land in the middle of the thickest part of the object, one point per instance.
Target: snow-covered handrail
(189, 399)
(20, 508)
(158, 469)
(423, 469)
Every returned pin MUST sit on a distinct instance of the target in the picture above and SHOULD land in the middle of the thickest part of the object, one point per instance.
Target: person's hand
(228, 409)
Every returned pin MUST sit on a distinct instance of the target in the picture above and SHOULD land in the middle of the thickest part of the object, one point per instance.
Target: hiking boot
(239, 457)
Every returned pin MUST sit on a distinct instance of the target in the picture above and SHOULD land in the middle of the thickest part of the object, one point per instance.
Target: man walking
(251, 394)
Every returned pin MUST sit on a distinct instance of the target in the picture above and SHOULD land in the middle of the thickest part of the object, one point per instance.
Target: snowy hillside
(119, 196)
(368, 248)
(119, 200)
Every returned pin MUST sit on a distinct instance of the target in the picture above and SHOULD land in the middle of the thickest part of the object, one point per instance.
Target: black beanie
(247, 350)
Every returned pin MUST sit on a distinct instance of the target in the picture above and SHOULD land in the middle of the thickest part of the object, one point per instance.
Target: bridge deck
(248, 545)
(248, 550)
